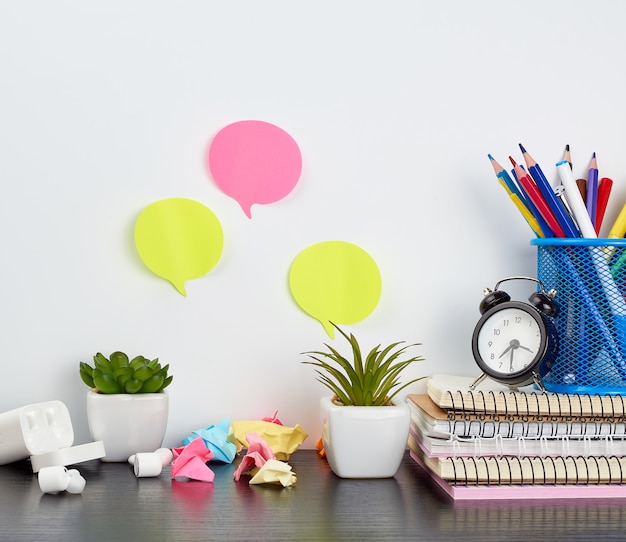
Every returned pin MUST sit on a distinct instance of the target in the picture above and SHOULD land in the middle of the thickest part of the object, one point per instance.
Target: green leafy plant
(118, 374)
(365, 380)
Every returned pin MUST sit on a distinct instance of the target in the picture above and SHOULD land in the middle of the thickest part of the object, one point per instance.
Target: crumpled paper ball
(282, 440)
(260, 463)
(216, 439)
(190, 462)
(257, 454)
(274, 472)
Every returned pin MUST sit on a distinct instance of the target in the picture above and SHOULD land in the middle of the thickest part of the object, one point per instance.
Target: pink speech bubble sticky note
(254, 162)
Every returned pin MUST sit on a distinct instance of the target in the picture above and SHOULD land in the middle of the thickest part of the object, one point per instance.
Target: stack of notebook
(494, 443)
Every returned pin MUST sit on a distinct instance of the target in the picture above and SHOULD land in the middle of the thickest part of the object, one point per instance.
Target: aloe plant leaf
(337, 390)
(334, 372)
(370, 380)
(405, 385)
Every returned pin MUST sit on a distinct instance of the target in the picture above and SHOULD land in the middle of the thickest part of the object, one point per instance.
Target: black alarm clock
(515, 343)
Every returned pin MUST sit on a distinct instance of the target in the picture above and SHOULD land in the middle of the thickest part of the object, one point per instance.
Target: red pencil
(604, 191)
(537, 198)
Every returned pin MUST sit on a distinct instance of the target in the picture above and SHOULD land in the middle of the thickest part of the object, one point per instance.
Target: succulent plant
(118, 374)
(370, 380)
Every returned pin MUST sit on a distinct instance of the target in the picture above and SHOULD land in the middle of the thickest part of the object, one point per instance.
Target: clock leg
(538, 382)
(478, 381)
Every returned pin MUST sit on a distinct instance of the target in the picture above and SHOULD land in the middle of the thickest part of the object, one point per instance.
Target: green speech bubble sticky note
(179, 239)
(335, 281)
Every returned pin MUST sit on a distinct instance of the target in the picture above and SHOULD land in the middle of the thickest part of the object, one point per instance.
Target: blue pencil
(560, 213)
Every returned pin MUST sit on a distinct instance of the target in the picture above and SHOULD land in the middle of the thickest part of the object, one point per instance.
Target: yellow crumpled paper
(282, 440)
(274, 472)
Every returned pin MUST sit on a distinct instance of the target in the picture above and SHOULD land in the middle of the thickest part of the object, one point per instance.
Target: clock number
(496, 331)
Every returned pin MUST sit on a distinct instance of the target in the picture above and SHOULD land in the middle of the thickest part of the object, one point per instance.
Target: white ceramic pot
(127, 423)
(364, 442)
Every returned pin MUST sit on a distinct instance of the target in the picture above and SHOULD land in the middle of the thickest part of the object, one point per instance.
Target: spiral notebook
(490, 470)
(463, 491)
(496, 410)
(434, 421)
(456, 446)
(453, 393)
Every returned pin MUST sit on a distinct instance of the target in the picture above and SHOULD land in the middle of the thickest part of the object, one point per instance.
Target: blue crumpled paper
(215, 438)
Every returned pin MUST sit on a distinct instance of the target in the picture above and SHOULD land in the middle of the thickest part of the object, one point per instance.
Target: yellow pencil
(528, 216)
(619, 226)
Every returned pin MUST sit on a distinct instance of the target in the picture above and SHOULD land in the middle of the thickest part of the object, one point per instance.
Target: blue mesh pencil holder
(589, 276)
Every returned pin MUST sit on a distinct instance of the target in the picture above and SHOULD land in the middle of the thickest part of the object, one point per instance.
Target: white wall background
(106, 107)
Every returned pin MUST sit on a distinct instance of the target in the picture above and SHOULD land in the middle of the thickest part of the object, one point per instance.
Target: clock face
(509, 340)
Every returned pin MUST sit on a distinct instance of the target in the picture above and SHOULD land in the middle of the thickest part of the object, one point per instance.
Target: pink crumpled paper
(272, 419)
(256, 456)
(260, 463)
(190, 461)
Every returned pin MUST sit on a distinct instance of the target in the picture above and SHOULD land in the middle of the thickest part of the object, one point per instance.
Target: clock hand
(513, 348)
(525, 348)
(513, 344)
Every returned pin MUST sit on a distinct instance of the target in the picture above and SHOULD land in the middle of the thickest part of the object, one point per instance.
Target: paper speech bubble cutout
(179, 239)
(335, 281)
(254, 162)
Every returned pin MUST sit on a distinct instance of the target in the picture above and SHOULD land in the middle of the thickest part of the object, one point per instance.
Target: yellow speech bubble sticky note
(335, 281)
(179, 239)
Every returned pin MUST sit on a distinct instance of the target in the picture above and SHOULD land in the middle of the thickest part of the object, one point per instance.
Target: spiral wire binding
(512, 429)
(575, 470)
(577, 404)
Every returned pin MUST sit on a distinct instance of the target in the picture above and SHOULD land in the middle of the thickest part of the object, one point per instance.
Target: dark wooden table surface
(117, 506)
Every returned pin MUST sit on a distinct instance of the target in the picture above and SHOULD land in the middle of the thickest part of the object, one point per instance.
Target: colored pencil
(592, 189)
(582, 188)
(537, 198)
(618, 229)
(559, 212)
(502, 173)
(513, 188)
(528, 216)
(604, 191)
